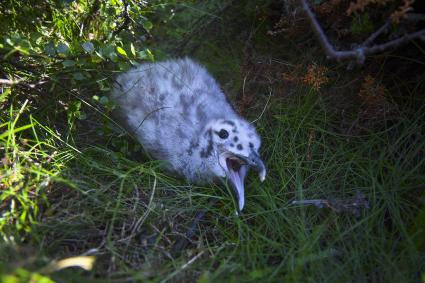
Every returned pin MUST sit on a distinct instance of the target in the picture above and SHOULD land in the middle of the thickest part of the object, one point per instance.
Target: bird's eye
(223, 134)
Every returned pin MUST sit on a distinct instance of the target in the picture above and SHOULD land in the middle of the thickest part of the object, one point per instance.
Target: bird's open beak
(237, 166)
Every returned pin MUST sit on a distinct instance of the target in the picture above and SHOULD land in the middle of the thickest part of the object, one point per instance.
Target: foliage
(396, 16)
(67, 50)
(57, 61)
(75, 186)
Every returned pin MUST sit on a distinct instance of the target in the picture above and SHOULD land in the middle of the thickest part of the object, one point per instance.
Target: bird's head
(235, 143)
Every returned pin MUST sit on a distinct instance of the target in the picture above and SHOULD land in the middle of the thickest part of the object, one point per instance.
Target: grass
(132, 214)
(73, 184)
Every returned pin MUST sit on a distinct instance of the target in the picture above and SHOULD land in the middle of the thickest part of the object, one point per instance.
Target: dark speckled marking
(197, 92)
(200, 114)
(235, 139)
(187, 103)
(206, 152)
(232, 145)
(234, 131)
(162, 96)
(251, 145)
(231, 123)
(240, 147)
(181, 134)
(192, 147)
(194, 144)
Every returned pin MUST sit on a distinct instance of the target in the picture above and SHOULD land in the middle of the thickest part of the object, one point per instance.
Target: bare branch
(376, 34)
(353, 205)
(394, 43)
(359, 54)
(414, 17)
(9, 82)
(21, 82)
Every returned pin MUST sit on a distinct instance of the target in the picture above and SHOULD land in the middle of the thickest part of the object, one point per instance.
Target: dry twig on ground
(354, 205)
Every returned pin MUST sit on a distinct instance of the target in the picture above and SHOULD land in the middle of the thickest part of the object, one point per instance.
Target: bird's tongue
(237, 173)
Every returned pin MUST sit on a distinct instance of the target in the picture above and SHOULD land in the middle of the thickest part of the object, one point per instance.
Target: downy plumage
(180, 115)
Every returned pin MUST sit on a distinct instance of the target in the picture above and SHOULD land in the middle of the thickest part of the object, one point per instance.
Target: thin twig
(148, 210)
(182, 243)
(376, 34)
(353, 205)
(264, 109)
(9, 82)
(183, 267)
(394, 43)
(149, 114)
(21, 82)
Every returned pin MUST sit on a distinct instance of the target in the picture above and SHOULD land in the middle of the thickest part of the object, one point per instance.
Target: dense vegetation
(81, 202)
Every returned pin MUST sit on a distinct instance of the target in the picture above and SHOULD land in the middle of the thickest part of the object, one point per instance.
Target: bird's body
(180, 115)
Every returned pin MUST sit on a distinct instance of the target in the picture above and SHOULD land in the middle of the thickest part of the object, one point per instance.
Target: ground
(352, 140)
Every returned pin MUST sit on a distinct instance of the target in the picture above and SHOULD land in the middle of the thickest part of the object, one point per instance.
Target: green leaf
(134, 63)
(10, 42)
(82, 116)
(37, 277)
(143, 54)
(104, 100)
(109, 52)
(113, 56)
(36, 37)
(121, 51)
(5, 94)
(62, 49)
(78, 76)
(88, 47)
(147, 25)
(150, 55)
(68, 63)
(133, 50)
(50, 49)
(97, 58)
(124, 66)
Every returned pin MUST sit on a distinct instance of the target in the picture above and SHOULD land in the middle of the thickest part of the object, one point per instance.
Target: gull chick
(180, 115)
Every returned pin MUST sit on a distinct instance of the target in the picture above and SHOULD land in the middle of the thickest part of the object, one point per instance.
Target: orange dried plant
(327, 7)
(316, 76)
(360, 5)
(289, 77)
(395, 17)
(401, 12)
